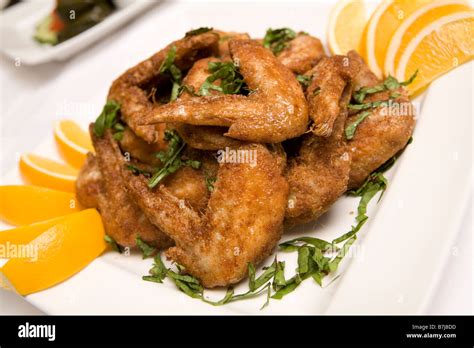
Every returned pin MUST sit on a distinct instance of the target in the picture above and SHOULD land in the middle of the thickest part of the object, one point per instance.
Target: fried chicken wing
(140, 149)
(275, 110)
(242, 222)
(122, 217)
(302, 53)
(225, 38)
(329, 80)
(202, 137)
(131, 89)
(383, 133)
(319, 174)
(89, 183)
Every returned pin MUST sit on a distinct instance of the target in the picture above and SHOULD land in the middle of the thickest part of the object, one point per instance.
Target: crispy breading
(329, 80)
(122, 217)
(131, 89)
(89, 183)
(225, 38)
(242, 222)
(302, 53)
(382, 134)
(275, 110)
(319, 174)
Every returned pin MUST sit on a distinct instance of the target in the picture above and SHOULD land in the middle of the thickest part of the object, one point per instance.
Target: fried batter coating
(202, 137)
(140, 149)
(380, 136)
(319, 174)
(276, 109)
(302, 53)
(329, 79)
(122, 217)
(89, 183)
(242, 222)
(225, 38)
(130, 90)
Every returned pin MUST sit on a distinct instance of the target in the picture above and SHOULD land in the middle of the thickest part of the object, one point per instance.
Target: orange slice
(415, 23)
(25, 234)
(58, 253)
(382, 25)
(24, 205)
(40, 171)
(346, 25)
(438, 48)
(73, 142)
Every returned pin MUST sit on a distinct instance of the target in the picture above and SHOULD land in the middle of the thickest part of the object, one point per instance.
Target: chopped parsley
(231, 81)
(171, 158)
(115, 246)
(210, 183)
(304, 80)
(147, 250)
(198, 31)
(169, 69)
(277, 39)
(389, 84)
(108, 119)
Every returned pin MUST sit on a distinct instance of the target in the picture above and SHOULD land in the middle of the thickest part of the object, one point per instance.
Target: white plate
(18, 23)
(400, 251)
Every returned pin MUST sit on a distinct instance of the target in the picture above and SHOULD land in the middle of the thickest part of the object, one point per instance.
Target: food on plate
(273, 110)
(70, 18)
(224, 213)
(209, 149)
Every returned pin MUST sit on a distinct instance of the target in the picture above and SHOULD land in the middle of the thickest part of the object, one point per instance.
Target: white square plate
(400, 251)
(18, 23)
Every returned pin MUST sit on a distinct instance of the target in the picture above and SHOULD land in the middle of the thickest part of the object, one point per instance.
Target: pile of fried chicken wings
(308, 127)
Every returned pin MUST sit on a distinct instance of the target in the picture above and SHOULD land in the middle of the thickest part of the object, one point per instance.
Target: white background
(22, 132)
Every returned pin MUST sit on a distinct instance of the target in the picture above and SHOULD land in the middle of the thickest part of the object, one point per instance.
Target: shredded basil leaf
(171, 159)
(115, 246)
(107, 118)
(277, 39)
(304, 80)
(350, 129)
(197, 31)
(169, 69)
(231, 81)
(147, 250)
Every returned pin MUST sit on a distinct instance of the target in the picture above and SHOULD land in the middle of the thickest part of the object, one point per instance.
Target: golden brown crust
(242, 223)
(202, 137)
(123, 219)
(275, 111)
(383, 133)
(225, 38)
(302, 53)
(329, 80)
(139, 148)
(89, 182)
(129, 90)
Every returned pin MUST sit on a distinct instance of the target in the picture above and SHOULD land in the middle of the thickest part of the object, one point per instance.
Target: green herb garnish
(115, 246)
(303, 80)
(172, 71)
(231, 81)
(390, 84)
(350, 129)
(210, 183)
(277, 39)
(136, 171)
(147, 250)
(197, 31)
(171, 159)
(107, 118)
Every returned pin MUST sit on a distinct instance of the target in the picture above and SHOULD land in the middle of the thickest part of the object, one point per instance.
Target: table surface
(454, 294)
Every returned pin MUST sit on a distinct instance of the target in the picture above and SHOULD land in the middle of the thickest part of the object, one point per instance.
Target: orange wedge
(58, 253)
(24, 205)
(73, 142)
(383, 23)
(415, 23)
(40, 171)
(25, 234)
(438, 48)
(346, 25)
